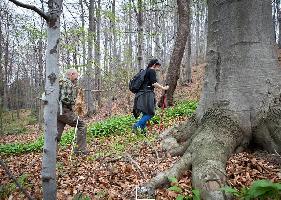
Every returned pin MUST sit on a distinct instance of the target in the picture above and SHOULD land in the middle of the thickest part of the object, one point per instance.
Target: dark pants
(70, 118)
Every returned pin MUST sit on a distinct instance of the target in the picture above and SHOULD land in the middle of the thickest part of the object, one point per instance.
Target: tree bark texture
(240, 102)
(51, 105)
(140, 33)
(89, 71)
(178, 51)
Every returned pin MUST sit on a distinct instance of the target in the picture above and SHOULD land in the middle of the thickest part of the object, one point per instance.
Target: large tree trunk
(178, 51)
(240, 101)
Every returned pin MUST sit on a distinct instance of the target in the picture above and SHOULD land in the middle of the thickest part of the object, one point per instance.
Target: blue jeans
(142, 122)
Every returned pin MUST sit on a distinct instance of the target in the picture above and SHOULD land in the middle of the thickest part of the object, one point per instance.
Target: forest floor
(118, 164)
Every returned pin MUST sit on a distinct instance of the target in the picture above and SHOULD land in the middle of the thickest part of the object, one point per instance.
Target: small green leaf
(172, 179)
(230, 190)
(175, 189)
(180, 197)
(196, 194)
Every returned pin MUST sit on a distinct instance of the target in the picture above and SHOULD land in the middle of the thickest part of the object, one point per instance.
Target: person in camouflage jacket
(66, 115)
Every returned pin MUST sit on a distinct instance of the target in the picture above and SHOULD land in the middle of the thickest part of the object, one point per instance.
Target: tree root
(176, 139)
(207, 152)
(161, 179)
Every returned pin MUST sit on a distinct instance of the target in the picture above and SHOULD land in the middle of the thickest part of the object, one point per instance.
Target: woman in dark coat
(145, 99)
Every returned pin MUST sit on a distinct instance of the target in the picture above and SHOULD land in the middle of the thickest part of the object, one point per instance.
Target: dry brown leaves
(243, 168)
(105, 178)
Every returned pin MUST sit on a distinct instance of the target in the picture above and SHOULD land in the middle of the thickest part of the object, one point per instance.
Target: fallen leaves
(243, 168)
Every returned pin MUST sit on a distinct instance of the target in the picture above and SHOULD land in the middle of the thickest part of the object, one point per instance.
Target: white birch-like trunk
(51, 105)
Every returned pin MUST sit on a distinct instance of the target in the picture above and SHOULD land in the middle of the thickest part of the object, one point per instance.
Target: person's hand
(166, 87)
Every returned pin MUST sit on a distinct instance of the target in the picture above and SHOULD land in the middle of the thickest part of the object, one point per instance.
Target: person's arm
(157, 85)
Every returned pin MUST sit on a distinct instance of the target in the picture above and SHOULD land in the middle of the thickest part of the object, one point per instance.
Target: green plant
(119, 125)
(176, 188)
(80, 196)
(7, 189)
(260, 189)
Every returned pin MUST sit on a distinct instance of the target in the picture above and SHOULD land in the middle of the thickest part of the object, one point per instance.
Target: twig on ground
(4, 166)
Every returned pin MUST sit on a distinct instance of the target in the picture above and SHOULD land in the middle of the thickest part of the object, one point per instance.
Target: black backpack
(137, 81)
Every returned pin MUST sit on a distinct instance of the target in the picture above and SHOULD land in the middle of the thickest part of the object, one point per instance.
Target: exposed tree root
(267, 134)
(207, 152)
(175, 140)
(161, 179)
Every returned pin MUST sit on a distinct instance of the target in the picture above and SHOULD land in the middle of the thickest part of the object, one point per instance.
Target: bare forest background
(106, 41)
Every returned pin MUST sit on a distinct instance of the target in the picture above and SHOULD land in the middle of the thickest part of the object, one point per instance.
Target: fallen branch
(4, 166)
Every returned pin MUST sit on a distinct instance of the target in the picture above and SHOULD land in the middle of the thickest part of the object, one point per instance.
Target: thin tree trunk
(83, 35)
(89, 72)
(98, 53)
(130, 45)
(178, 51)
(197, 32)
(279, 23)
(140, 33)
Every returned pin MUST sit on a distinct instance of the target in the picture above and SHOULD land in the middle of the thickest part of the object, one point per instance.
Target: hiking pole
(74, 138)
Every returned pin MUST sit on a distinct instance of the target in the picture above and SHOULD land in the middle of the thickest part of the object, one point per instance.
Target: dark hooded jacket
(144, 101)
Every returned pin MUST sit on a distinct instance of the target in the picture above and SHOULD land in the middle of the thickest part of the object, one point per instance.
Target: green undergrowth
(118, 125)
(260, 189)
(14, 123)
(7, 189)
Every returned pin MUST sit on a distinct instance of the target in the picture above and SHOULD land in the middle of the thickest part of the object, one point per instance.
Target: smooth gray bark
(140, 22)
(51, 107)
(89, 71)
(98, 76)
(197, 28)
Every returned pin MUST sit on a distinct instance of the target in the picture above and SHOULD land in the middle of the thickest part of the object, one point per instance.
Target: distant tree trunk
(89, 71)
(178, 51)
(274, 17)
(279, 22)
(98, 54)
(197, 28)
(186, 65)
(157, 49)
(106, 52)
(6, 63)
(140, 33)
(130, 43)
(114, 38)
(83, 35)
(187, 71)
(2, 79)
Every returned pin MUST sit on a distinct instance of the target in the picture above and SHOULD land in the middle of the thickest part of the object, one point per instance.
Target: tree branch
(31, 7)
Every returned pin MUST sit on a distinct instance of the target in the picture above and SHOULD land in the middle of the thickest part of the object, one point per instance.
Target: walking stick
(74, 138)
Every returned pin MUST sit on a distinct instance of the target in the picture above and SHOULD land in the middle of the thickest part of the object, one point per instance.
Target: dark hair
(153, 62)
